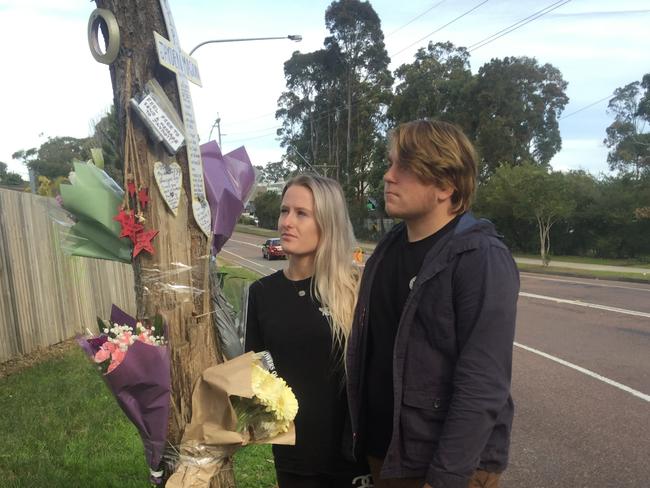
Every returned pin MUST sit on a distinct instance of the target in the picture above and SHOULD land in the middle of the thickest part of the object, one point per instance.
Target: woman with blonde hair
(302, 315)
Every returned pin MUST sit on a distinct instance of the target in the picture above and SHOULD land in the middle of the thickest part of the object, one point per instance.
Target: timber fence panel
(47, 296)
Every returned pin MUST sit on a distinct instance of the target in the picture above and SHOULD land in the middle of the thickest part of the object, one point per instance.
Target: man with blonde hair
(429, 358)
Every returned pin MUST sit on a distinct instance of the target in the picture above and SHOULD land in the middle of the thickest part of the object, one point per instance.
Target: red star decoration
(143, 196)
(130, 227)
(130, 186)
(143, 242)
(131, 230)
(122, 217)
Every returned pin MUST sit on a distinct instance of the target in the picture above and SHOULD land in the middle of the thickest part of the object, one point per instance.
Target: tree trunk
(349, 132)
(174, 281)
(544, 226)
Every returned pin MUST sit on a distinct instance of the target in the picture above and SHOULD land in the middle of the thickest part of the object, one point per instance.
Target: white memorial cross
(172, 57)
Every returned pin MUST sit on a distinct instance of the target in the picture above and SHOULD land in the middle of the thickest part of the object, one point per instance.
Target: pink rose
(102, 355)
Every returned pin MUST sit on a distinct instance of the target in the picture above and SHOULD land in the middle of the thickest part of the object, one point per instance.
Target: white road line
(613, 383)
(249, 261)
(588, 283)
(586, 304)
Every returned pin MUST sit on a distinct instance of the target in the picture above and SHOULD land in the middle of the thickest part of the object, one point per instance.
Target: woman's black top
(285, 320)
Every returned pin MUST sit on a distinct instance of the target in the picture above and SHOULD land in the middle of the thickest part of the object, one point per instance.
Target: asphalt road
(581, 379)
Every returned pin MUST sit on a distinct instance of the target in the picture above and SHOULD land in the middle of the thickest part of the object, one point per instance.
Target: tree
(333, 113)
(530, 193)
(357, 38)
(12, 179)
(517, 104)
(55, 156)
(578, 233)
(25, 156)
(179, 264)
(434, 85)
(8, 177)
(267, 209)
(273, 172)
(106, 136)
(628, 136)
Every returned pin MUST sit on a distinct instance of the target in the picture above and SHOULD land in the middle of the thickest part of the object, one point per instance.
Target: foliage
(106, 136)
(55, 156)
(517, 104)
(529, 194)
(628, 137)
(267, 209)
(50, 188)
(9, 177)
(273, 172)
(333, 112)
(434, 85)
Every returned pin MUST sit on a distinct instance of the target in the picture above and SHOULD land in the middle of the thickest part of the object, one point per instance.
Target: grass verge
(632, 263)
(62, 428)
(584, 273)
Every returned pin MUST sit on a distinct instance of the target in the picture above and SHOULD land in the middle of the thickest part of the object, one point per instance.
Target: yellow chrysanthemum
(274, 393)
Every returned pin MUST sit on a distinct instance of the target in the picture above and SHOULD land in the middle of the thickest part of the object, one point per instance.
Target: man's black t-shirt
(284, 320)
(390, 289)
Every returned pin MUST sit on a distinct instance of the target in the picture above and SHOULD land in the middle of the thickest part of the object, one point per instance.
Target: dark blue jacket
(452, 359)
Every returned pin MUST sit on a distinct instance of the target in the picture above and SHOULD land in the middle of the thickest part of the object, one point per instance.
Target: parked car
(272, 249)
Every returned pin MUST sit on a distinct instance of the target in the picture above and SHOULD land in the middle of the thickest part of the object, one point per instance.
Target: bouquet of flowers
(116, 340)
(136, 366)
(271, 410)
(238, 402)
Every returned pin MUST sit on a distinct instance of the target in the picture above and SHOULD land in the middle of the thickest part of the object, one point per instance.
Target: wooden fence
(47, 296)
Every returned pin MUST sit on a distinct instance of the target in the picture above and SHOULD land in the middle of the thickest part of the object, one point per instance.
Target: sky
(51, 85)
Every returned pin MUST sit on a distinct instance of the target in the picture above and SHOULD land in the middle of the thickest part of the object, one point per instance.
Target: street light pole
(291, 37)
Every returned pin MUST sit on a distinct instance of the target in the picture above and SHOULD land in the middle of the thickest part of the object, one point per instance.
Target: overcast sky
(51, 86)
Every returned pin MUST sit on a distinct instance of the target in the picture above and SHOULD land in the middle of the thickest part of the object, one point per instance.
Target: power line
(416, 18)
(517, 25)
(477, 45)
(441, 27)
(586, 107)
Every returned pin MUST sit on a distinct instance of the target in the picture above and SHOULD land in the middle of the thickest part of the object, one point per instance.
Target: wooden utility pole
(174, 281)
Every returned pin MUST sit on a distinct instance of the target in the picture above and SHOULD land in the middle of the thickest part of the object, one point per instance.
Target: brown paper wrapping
(212, 435)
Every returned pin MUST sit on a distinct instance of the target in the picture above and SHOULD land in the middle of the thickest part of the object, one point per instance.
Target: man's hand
(426, 485)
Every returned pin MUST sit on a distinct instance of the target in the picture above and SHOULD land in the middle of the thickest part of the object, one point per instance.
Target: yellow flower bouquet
(238, 402)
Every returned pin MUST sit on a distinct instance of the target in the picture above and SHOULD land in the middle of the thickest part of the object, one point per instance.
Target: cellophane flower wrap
(238, 402)
(136, 365)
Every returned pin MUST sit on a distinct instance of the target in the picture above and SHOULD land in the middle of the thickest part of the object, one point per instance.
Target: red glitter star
(143, 242)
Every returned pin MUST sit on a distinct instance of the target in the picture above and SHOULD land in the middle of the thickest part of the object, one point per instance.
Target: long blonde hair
(336, 278)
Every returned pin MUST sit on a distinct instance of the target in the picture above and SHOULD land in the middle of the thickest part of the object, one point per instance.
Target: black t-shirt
(295, 331)
(392, 284)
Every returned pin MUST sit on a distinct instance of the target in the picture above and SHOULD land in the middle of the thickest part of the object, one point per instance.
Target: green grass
(633, 263)
(254, 467)
(236, 278)
(584, 273)
(61, 428)
(257, 231)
